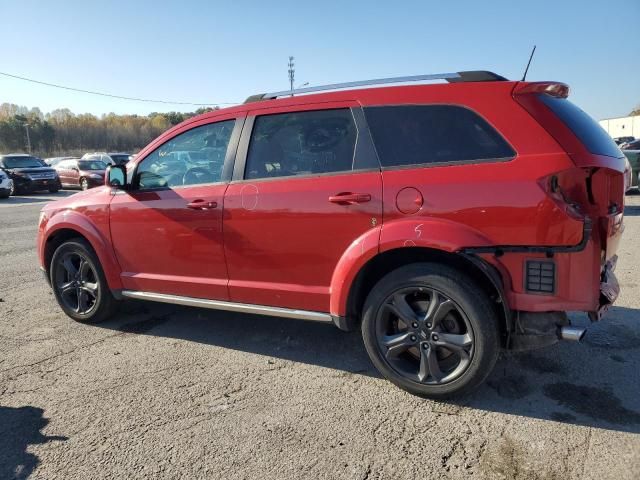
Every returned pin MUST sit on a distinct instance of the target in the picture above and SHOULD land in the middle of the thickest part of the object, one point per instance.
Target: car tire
(54, 189)
(79, 283)
(5, 194)
(445, 344)
(84, 184)
(13, 190)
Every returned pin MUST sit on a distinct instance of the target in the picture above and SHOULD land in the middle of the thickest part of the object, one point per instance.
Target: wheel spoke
(454, 341)
(429, 366)
(396, 344)
(90, 288)
(67, 287)
(84, 269)
(401, 308)
(83, 301)
(68, 265)
(438, 309)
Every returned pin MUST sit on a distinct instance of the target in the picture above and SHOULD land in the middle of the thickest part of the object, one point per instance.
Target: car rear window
(433, 134)
(588, 131)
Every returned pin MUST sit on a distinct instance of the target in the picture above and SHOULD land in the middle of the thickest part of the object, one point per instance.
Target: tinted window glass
(419, 134)
(21, 162)
(588, 131)
(91, 165)
(301, 143)
(191, 158)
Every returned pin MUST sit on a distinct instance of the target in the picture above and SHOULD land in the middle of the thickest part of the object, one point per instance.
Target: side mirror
(116, 176)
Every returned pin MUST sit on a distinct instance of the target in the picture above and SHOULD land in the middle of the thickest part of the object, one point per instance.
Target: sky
(222, 51)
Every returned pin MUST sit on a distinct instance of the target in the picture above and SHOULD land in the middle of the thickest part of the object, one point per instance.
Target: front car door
(167, 228)
(306, 185)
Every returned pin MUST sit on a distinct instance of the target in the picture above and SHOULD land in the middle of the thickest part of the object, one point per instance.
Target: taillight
(555, 89)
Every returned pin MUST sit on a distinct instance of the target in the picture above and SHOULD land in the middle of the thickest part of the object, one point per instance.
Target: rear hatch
(596, 186)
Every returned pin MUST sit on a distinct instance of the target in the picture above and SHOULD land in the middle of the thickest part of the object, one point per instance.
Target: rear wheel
(79, 283)
(429, 329)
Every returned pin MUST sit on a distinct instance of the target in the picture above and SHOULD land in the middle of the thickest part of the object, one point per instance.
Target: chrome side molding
(228, 306)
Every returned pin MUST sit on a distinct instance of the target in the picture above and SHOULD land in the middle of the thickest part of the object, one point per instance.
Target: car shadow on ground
(38, 197)
(592, 384)
(19, 428)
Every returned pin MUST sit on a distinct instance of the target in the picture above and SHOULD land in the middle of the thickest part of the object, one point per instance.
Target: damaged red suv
(446, 221)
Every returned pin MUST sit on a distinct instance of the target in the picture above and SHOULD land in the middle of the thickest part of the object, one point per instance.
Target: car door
(63, 173)
(306, 184)
(73, 173)
(167, 228)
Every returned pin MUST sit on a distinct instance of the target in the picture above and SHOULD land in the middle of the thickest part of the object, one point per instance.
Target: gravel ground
(172, 392)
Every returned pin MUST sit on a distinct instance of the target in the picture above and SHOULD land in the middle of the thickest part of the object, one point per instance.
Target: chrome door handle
(201, 205)
(349, 198)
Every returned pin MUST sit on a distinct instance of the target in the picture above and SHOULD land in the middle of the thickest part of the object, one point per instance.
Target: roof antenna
(529, 63)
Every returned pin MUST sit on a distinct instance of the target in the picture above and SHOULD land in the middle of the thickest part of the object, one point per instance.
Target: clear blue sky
(207, 51)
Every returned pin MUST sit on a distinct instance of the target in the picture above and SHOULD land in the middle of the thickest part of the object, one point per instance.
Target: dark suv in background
(29, 174)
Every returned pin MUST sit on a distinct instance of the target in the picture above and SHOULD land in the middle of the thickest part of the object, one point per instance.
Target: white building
(622, 126)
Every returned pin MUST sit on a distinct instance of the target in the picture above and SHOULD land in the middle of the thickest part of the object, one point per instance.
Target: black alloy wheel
(79, 283)
(431, 330)
(424, 335)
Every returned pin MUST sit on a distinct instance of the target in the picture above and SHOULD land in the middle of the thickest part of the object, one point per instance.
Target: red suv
(447, 221)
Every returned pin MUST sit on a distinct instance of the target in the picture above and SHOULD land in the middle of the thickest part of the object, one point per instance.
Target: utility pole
(26, 127)
(292, 73)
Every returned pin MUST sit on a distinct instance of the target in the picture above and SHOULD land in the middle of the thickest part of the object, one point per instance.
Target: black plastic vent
(540, 276)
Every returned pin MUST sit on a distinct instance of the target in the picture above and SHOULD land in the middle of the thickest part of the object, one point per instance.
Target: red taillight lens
(555, 89)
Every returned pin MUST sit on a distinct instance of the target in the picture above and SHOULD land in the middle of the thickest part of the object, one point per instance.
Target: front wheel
(84, 184)
(54, 189)
(431, 330)
(79, 284)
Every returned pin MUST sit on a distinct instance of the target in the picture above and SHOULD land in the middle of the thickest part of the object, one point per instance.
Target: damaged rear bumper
(609, 289)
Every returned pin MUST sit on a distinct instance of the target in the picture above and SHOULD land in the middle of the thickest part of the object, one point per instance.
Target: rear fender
(430, 233)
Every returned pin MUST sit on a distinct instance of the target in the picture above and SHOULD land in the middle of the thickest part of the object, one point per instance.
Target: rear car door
(167, 228)
(306, 184)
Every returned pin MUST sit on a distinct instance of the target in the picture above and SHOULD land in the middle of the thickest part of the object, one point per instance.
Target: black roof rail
(454, 77)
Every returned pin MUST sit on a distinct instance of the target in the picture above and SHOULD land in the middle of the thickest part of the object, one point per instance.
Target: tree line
(63, 132)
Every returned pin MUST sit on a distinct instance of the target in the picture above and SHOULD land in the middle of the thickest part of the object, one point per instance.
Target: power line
(148, 100)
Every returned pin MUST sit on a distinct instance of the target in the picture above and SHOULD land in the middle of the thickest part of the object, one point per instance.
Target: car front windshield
(21, 162)
(91, 165)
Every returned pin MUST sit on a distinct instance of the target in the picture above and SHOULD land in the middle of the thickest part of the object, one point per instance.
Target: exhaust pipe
(573, 334)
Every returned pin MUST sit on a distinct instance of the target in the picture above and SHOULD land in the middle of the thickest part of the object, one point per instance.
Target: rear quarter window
(585, 128)
(433, 134)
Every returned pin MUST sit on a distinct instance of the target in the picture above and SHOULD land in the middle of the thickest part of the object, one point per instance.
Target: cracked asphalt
(176, 392)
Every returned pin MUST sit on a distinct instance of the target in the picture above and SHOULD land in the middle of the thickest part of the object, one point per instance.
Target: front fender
(73, 220)
(433, 233)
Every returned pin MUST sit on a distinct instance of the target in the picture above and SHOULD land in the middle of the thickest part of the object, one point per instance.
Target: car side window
(194, 157)
(433, 134)
(301, 143)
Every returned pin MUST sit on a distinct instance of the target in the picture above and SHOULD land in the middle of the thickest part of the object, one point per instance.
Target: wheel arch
(80, 227)
(480, 271)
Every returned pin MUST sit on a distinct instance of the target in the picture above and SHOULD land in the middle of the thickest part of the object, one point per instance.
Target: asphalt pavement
(176, 392)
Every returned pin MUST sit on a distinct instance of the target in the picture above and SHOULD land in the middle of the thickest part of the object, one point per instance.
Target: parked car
(28, 174)
(633, 157)
(632, 145)
(445, 221)
(85, 174)
(120, 158)
(99, 156)
(53, 161)
(621, 140)
(6, 185)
